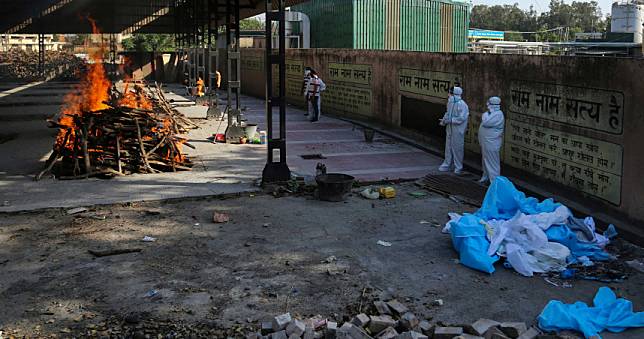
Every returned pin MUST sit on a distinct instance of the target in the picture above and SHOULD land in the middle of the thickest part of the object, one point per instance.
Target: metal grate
(463, 188)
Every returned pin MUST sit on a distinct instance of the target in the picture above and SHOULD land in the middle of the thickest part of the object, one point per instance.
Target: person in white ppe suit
(455, 122)
(491, 139)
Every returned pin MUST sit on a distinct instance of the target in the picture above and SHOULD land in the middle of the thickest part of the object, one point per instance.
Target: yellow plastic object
(387, 192)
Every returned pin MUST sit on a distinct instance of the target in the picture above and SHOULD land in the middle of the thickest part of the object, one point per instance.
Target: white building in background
(29, 42)
(628, 17)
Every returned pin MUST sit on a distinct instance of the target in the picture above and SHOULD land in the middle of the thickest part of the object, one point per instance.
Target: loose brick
(532, 333)
(378, 323)
(382, 307)
(281, 321)
(425, 327)
(513, 329)
(397, 307)
(411, 335)
(408, 321)
(482, 325)
(358, 333)
(468, 336)
(495, 333)
(331, 329)
(361, 320)
(387, 333)
(296, 328)
(447, 332)
(267, 328)
(279, 335)
(309, 333)
(293, 336)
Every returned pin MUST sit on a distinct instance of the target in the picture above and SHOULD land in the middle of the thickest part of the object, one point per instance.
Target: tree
(149, 43)
(251, 25)
(579, 16)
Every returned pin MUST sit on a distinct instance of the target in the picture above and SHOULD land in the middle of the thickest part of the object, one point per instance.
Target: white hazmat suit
(455, 120)
(491, 139)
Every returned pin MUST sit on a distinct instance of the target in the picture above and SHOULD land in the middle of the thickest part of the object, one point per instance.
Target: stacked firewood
(121, 139)
(20, 65)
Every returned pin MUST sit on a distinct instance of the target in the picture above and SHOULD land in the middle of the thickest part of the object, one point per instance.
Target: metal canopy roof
(111, 16)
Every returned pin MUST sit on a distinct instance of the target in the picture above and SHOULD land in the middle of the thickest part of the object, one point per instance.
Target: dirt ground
(199, 277)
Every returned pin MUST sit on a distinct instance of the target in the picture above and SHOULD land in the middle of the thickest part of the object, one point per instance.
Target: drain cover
(465, 189)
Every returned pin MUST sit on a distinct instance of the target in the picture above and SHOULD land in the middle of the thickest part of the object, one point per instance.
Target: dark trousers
(315, 102)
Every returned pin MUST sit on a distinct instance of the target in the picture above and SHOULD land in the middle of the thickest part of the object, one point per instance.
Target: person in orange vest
(218, 79)
(200, 87)
(314, 88)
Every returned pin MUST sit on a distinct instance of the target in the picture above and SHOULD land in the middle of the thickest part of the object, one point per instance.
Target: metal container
(413, 25)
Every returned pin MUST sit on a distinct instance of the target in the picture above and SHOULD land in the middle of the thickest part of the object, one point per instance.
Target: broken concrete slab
(513, 329)
(379, 323)
(447, 332)
(281, 321)
(482, 325)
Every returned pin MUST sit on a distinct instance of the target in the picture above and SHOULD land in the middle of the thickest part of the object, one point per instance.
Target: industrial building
(429, 26)
(29, 42)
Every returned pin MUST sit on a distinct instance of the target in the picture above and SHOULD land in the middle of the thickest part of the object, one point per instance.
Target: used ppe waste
(534, 236)
(607, 313)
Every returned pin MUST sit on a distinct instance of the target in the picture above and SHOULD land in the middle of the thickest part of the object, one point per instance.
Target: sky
(541, 5)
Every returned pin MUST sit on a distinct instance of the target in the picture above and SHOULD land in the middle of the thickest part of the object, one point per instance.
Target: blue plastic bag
(470, 240)
(503, 200)
(565, 236)
(608, 313)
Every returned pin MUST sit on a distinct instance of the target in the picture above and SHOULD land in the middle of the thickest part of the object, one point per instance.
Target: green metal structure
(410, 25)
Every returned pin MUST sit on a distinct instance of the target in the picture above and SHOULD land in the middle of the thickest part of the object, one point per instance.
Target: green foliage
(149, 43)
(578, 16)
(251, 25)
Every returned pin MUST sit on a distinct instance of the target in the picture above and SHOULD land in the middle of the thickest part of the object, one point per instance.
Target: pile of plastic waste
(533, 236)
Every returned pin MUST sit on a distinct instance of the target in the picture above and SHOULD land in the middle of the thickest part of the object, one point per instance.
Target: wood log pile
(122, 139)
(19, 65)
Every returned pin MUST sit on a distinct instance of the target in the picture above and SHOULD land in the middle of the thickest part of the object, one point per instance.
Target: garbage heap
(387, 320)
(532, 236)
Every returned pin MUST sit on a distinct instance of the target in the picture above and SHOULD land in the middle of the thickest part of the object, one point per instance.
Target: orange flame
(88, 96)
(134, 98)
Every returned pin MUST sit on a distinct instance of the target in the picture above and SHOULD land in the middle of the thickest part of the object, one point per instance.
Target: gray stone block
(425, 327)
(408, 321)
(378, 323)
(397, 307)
(411, 335)
(468, 336)
(482, 325)
(331, 329)
(279, 335)
(447, 332)
(382, 307)
(495, 333)
(513, 329)
(531, 333)
(387, 333)
(267, 327)
(295, 327)
(360, 320)
(281, 321)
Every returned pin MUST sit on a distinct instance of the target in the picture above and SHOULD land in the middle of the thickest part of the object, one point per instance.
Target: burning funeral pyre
(106, 132)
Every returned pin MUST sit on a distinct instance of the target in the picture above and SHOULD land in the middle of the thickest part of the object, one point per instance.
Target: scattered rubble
(388, 319)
